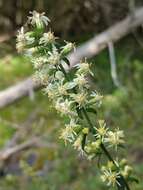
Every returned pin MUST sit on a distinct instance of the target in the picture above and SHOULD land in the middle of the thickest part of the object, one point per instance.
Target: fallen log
(88, 49)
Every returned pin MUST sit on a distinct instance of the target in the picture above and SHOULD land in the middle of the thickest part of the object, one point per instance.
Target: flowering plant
(73, 98)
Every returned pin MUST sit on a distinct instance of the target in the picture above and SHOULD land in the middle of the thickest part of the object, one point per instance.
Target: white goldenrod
(71, 96)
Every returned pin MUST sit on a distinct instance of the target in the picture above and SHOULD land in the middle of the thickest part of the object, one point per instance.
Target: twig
(113, 65)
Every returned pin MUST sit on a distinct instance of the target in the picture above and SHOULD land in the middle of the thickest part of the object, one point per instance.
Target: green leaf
(66, 61)
(133, 179)
(91, 110)
(121, 146)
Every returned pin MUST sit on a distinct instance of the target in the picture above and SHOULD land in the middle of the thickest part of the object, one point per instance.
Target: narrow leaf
(66, 61)
(92, 110)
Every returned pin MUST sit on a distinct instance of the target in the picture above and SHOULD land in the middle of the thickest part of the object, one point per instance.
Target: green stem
(88, 120)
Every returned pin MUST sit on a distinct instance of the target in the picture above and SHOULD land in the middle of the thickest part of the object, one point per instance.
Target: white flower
(23, 39)
(95, 98)
(54, 57)
(78, 143)
(38, 19)
(42, 77)
(73, 123)
(80, 98)
(47, 38)
(21, 34)
(101, 130)
(80, 80)
(51, 91)
(110, 176)
(114, 138)
(83, 67)
(61, 88)
(39, 62)
(68, 134)
(64, 107)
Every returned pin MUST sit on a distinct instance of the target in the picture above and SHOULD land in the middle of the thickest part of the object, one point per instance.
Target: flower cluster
(72, 97)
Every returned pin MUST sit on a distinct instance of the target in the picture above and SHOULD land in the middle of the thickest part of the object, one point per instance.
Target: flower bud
(85, 131)
(38, 19)
(67, 48)
(123, 162)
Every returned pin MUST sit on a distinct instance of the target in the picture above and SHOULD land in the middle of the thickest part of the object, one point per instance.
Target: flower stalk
(72, 97)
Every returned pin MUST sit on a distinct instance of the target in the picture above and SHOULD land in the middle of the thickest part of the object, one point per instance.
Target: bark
(88, 49)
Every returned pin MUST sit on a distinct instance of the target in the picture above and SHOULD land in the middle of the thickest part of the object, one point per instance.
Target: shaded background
(53, 166)
(69, 17)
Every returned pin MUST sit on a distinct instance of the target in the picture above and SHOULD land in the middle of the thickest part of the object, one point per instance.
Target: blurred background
(31, 155)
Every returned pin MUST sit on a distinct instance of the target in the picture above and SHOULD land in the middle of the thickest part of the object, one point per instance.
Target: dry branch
(113, 34)
(88, 49)
(17, 91)
(33, 143)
